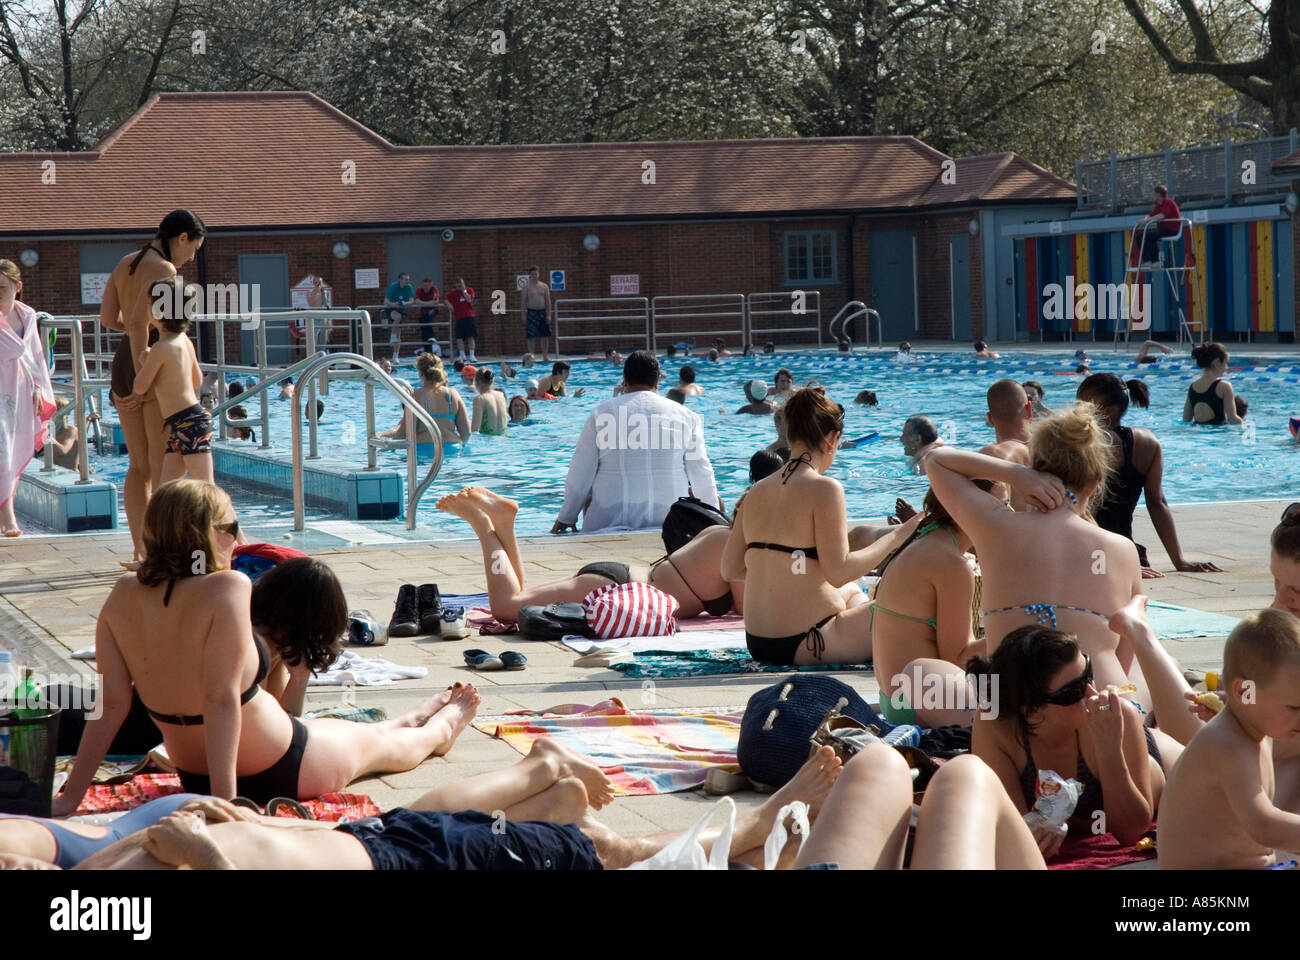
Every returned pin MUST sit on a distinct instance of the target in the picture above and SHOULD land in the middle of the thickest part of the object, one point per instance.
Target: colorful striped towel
(670, 664)
(643, 752)
(112, 798)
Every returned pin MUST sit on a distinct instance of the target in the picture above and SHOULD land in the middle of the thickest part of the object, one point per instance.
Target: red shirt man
(1163, 220)
(462, 309)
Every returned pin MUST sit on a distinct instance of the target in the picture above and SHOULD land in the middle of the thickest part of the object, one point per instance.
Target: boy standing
(1217, 810)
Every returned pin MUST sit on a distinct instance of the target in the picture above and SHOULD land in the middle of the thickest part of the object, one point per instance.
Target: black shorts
(191, 431)
(536, 327)
(404, 839)
(466, 327)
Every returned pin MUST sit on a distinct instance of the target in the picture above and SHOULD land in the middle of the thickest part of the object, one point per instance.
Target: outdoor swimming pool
(1202, 464)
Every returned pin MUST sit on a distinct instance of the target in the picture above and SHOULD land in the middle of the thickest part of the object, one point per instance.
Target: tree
(1271, 77)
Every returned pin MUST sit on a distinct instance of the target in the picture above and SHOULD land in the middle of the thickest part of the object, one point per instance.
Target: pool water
(1201, 464)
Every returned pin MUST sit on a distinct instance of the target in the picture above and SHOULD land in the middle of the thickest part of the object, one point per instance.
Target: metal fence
(788, 311)
(707, 315)
(1229, 171)
(586, 321)
(440, 322)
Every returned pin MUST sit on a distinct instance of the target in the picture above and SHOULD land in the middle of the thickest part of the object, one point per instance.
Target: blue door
(270, 271)
(959, 273)
(893, 282)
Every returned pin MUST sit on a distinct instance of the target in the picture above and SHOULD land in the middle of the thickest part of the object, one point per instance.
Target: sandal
(245, 802)
(482, 660)
(274, 805)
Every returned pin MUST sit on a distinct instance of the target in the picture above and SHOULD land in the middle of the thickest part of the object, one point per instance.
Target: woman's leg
(847, 636)
(863, 824)
(340, 751)
(137, 486)
(8, 521)
(967, 822)
(938, 691)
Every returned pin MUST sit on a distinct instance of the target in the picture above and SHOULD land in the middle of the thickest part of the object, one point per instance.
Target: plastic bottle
(8, 688)
(25, 742)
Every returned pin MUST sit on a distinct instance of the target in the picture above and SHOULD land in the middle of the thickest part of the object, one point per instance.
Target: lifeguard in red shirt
(462, 308)
(1164, 217)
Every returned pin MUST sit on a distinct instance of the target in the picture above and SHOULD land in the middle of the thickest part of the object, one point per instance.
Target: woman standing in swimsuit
(1209, 398)
(691, 574)
(128, 304)
(921, 618)
(490, 416)
(179, 631)
(1141, 469)
(789, 543)
(1051, 717)
(1050, 566)
(440, 401)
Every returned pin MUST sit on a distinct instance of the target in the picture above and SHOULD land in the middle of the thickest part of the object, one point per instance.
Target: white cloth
(364, 672)
(686, 640)
(637, 454)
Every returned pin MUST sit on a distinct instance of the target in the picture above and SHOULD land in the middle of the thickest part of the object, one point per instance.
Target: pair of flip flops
(273, 806)
(507, 660)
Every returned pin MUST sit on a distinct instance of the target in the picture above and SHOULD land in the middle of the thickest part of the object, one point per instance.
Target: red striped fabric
(630, 610)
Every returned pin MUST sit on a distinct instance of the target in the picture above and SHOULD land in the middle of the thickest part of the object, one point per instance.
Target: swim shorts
(466, 327)
(537, 326)
(191, 431)
(404, 839)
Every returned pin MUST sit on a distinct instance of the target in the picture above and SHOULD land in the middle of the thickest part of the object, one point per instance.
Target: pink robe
(23, 370)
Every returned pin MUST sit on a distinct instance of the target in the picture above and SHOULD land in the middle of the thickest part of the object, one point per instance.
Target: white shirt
(637, 454)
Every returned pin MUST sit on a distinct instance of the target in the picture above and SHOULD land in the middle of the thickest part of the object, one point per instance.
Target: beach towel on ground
(695, 640)
(669, 664)
(643, 752)
(1084, 851)
(106, 798)
(365, 672)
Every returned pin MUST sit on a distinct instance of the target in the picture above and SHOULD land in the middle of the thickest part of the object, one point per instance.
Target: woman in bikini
(1209, 397)
(1141, 469)
(441, 402)
(1052, 717)
(789, 542)
(490, 415)
(691, 574)
(923, 619)
(127, 306)
(1050, 565)
(179, 631)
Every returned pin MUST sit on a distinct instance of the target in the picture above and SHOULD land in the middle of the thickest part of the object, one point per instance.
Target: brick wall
(672, 259)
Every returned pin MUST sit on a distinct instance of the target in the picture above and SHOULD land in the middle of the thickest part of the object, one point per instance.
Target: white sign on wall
(624, 284)
(521, 280)
(93, 286)
(366, 279)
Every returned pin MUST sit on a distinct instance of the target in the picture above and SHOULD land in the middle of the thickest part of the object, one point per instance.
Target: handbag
(848, 736)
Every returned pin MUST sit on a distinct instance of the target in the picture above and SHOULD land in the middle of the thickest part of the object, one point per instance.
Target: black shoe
(405, 622)
(429, 603)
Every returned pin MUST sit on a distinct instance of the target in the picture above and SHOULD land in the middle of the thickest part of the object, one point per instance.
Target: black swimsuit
(123, 370)
(1212, 400)
(278, 780)
(1122, 492)
(1091, 798)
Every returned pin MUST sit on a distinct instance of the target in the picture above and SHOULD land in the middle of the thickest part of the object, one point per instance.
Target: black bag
(687, 517)
(553, 621)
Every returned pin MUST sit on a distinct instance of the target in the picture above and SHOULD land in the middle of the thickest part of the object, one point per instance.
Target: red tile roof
(1290, 162)
(276, 160)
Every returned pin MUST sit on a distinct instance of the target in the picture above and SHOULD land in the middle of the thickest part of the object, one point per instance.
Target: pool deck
(51, 589)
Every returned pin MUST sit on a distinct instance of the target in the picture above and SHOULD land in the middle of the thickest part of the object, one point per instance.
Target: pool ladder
(304, 371)
(859, 309)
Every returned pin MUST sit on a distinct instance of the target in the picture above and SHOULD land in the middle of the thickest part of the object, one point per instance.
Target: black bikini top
(809, 552)
(195, 720)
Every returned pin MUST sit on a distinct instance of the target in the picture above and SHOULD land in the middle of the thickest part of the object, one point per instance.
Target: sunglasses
(1075, 690)
(1291, 515)
(231, 528)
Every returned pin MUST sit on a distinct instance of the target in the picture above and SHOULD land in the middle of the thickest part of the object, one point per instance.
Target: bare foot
(457, 714)
(427, 708)
(501, 510)
(461, 504)
(903, 510)
(600, 789)
(1131, 619)
(811, 784)
(132, 565)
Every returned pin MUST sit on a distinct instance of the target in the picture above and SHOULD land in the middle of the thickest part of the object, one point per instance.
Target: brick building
(289, 186)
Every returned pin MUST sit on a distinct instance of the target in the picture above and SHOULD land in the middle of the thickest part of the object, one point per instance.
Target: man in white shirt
(638, 452)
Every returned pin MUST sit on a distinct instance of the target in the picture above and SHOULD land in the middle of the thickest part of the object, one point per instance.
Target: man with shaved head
(1009, 414)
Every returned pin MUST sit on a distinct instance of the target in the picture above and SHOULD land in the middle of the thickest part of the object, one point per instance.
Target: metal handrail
(78, 386)
(813, 311)
(440, 305)
(706, 306)
(634, 308)
(862, 310)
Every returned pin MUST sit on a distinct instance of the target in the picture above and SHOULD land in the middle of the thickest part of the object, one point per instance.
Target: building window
(810, 256)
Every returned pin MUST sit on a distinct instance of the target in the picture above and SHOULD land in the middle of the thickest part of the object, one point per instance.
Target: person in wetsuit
(1140, 470)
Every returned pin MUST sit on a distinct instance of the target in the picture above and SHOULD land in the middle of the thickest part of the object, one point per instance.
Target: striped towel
(630, 610)
(643, 752)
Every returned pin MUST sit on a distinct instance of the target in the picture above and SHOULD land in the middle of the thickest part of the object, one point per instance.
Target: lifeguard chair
(1178, 276)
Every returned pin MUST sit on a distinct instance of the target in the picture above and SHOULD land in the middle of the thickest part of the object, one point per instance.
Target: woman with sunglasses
(179, 632)
(789, 543)
(1051, 717)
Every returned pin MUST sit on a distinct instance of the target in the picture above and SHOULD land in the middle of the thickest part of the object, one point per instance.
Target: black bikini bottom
(610, 570)
(782, 650)
(278, 780)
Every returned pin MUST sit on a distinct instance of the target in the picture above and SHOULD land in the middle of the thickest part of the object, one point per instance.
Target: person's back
(1009, 414)
(440, 402)
(490, 415)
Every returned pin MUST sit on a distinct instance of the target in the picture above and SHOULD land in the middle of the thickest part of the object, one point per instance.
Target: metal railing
(603, 311)
(442, 329)
(681, 316)
(796, 311)
(80, 385)
(859, 309)
(1191, 174)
